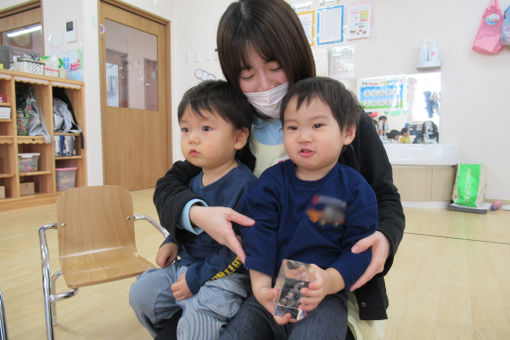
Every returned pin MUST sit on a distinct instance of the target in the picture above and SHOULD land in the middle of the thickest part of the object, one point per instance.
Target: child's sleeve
(172, 194)
(260, 241)
(361, 221)
(221, 264)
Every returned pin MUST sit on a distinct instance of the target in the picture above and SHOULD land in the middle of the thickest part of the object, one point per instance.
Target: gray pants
(203, 314)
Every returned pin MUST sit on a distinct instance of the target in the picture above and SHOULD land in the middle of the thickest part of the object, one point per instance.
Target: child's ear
(349, 134)
(241, 138)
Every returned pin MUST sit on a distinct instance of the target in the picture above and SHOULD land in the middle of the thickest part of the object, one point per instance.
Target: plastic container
(66, 178)
(28, 162)
(29, 66)
(5, 112)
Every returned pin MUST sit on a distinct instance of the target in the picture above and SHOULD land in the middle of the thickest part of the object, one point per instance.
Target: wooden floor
(450, 279)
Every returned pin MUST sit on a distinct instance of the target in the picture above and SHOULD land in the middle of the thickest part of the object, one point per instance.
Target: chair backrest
(93, 219)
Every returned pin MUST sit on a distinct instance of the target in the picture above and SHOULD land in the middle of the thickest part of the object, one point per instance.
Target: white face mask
(268, 102)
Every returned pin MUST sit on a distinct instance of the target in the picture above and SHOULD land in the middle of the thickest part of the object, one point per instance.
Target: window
(21, 30)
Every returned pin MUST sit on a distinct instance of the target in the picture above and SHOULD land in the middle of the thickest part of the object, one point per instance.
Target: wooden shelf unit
(11, 144)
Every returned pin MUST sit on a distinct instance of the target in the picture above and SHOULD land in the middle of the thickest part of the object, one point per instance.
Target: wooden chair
(96, 242)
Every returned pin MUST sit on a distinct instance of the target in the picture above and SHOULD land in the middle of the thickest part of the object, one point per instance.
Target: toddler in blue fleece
(309, 209)
(205, 282)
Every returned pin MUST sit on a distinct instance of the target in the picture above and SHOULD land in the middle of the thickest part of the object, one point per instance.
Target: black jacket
(366, 154)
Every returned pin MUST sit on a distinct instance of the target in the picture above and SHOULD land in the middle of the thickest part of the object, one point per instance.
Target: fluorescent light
(24, 31)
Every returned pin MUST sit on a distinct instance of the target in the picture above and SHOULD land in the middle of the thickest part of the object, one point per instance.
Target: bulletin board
(328, 24)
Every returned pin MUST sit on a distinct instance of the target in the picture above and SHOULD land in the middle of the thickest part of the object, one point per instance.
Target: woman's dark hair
(273, 30)
(343, 104)
(220, 96)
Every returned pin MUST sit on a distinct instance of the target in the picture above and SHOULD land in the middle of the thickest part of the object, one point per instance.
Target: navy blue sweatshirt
(206, 258)
(309, 221)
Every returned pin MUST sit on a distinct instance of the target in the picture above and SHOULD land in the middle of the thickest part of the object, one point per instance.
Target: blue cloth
(185, 222)
(342, 204)
(203, 255)
(269, 132)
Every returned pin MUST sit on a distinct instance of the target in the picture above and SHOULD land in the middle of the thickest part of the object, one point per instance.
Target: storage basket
(28, 162)
(30, 66)
(5, 112)
(66, 178)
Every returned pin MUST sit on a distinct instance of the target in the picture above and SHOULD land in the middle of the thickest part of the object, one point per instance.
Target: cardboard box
(27, 188)
(2, 192)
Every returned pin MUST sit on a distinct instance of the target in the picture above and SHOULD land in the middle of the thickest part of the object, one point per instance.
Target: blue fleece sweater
(309, 221)
(206, 258)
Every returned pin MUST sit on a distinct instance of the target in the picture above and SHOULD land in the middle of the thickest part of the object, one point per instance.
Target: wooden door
(151, 84)
(135, 119)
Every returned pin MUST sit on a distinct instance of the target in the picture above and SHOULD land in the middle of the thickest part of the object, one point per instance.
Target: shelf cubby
(11, 145)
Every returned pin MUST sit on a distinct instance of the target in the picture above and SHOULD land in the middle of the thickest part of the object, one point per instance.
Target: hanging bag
(505, 31)
(488, 38)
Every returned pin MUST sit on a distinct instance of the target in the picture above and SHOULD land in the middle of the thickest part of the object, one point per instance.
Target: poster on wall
(308, 22)
(358, 21)
(384, 94)
(341, 62)
(330, 25)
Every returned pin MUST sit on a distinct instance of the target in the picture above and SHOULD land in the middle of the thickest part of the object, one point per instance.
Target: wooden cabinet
(424, 183)
(44, 179)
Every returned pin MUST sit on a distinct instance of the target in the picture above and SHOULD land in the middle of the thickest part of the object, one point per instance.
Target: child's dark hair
(220, 97)
(342, 102)
(404, 130)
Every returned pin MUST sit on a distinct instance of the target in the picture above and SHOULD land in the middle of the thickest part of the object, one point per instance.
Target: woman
(263, 51)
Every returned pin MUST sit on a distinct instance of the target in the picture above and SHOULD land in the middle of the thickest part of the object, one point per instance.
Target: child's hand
(180, 289)
(327, 281)
(265, 296)
(167, 254)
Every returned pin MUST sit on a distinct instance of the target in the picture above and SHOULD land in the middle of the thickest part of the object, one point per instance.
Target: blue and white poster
(330, 25)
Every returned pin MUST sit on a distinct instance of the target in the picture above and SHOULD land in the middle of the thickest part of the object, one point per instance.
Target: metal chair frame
(3, 323)
(48, 280)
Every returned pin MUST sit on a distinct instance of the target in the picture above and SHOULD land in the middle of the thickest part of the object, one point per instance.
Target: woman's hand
(217, 222)
(167, 254)
(380, 252)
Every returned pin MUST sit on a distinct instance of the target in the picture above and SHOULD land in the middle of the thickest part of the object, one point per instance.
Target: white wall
(475, 114)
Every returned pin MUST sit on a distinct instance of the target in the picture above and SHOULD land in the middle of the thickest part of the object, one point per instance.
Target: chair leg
(3, 323)
(53, 293)
(46, 280)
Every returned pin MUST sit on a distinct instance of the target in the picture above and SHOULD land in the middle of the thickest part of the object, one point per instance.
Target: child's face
(209, 142)
(313, 139)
